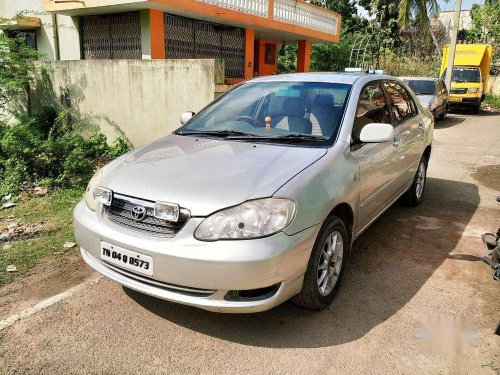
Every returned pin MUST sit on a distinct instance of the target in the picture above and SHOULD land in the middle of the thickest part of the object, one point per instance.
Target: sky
(444, 5)
(450, 5)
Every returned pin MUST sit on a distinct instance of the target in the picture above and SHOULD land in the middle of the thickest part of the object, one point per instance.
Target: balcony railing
(301, 14)
(255, 7)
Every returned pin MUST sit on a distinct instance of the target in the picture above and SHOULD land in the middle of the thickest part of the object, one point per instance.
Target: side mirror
(186, 116)
(377, 133)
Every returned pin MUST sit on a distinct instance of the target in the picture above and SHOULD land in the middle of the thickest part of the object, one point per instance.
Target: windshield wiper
(289, 137)
(217, 133)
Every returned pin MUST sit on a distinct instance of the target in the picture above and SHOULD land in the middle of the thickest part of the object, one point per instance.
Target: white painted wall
(68, 28)
(447, 19)
(141, 100)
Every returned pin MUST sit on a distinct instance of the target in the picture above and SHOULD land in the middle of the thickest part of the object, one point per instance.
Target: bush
(47, 149)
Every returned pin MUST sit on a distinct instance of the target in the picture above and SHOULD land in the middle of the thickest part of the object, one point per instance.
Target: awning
(21, 23)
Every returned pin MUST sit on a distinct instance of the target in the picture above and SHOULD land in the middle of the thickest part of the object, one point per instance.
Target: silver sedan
(258, 198)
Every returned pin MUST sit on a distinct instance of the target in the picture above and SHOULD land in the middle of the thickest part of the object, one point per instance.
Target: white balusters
(301, 14)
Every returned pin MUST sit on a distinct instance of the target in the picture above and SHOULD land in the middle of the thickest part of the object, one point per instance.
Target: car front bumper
(198, 273)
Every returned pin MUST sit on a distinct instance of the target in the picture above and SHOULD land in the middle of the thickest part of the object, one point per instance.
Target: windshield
(421, 87)
(466, 75)
(274, 110)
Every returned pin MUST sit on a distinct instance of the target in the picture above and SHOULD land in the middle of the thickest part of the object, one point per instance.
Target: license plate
(128, 259)
(454, 99)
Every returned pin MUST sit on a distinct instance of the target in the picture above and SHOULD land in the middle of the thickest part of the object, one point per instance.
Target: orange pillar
(249, 53)
(157, 33)
(304, 56)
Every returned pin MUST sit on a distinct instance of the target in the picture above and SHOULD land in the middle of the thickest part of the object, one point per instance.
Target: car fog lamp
(166, 211)
(103, 195)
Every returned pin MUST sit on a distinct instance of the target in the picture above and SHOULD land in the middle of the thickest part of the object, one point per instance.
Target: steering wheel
(251, 120)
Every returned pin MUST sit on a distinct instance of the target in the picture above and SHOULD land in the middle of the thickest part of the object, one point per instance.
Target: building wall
(493, 86)
(67, 28)
(140, 100)
(447, 20)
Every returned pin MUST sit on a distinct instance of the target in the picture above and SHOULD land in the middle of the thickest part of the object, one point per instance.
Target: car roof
(328, 77)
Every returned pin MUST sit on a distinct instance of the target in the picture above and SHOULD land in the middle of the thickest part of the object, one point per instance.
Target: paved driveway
(412, 267)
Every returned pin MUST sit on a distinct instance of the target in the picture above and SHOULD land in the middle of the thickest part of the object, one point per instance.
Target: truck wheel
(413, 197)
(326, 266)
(476, 109)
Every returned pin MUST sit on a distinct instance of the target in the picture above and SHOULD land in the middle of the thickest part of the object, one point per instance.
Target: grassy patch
(493, 101)
(55, 212)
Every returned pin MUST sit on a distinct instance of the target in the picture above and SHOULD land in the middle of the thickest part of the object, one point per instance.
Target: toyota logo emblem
(138, 212)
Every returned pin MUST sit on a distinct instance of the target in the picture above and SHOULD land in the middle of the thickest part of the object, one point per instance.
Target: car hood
(425, 100)
(205, 175)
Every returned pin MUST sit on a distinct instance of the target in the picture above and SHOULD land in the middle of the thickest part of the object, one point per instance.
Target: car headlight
(252, 219)
(94, 182)
(473, 90)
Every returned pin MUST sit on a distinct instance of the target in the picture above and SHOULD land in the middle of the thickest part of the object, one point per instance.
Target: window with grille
(112, 36)
(187, 38)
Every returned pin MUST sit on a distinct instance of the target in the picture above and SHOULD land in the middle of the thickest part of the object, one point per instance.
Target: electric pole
(453, 43)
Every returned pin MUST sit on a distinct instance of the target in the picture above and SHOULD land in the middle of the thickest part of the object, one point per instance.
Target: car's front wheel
(326, 266)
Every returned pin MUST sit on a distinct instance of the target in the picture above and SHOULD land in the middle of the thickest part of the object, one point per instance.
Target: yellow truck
(471, 70)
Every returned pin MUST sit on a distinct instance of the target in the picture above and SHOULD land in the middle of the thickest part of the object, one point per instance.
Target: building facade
(246, 34)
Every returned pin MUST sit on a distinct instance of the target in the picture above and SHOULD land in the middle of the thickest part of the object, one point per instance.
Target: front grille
(120, 212)
(458, 91)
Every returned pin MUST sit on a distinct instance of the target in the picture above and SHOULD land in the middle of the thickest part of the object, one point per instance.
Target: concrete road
(414, 274)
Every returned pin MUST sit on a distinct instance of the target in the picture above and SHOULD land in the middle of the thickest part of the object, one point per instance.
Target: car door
(376, 160)
(409, 132)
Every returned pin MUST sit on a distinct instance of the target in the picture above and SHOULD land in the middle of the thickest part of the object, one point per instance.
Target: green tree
(408, 13)
(485, 23)
(17, 68)
(351, 22)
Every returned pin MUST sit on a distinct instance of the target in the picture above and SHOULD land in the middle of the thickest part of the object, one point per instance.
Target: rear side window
(372, 107)
(402, 106)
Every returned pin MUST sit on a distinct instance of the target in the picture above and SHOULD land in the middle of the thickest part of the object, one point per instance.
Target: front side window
(372, 107)
(401, 105)
(274, 110)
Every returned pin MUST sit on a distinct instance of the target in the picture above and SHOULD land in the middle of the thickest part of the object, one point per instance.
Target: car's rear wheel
(326, 266)
(413, 197)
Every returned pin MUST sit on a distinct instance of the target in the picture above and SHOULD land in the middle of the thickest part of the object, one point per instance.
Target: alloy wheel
(420, 183)
(330, 263)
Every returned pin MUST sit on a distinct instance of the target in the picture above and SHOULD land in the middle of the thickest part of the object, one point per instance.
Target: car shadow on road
(389, 264)
(449, 122)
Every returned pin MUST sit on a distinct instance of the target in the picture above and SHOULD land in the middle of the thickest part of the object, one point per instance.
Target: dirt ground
(414, 274)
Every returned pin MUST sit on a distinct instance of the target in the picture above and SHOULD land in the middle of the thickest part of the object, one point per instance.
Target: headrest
(325, 99)
(291, 106)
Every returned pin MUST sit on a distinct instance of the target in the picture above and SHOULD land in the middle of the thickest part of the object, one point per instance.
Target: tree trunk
(434, 40)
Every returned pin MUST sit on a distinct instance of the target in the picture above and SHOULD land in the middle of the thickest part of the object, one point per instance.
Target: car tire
(443, 115)
(414, 195)
(324, 273)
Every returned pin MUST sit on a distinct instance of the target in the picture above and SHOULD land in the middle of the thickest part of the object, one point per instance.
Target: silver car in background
(432, 93)
(258, 198)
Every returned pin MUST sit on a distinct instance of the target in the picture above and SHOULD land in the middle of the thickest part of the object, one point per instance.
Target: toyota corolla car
(258, 198)
(432, 93)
